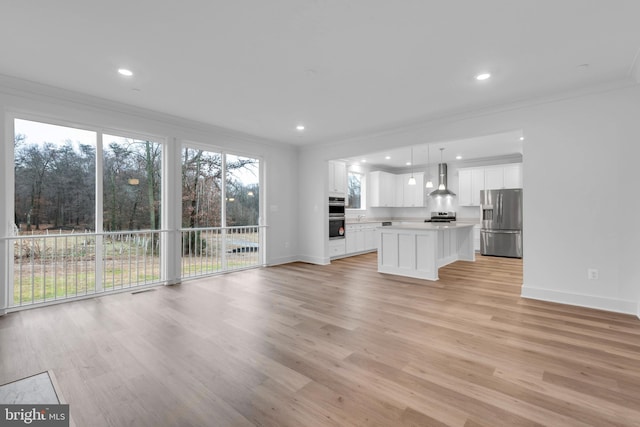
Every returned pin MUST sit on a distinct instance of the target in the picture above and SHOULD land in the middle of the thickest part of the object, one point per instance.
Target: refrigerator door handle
(502, 231)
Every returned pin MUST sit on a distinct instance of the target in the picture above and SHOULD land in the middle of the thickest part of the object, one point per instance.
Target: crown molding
(21, 88)
(458, 115)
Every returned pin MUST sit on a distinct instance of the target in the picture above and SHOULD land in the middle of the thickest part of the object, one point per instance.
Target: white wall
(597, 134)
(42, 102)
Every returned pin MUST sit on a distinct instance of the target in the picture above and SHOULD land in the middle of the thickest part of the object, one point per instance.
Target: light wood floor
(339, 345)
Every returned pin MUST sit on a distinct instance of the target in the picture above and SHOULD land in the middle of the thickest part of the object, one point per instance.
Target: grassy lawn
(58, 267)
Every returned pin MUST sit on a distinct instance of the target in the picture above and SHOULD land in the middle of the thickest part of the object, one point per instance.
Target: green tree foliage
(202, 180)
(131, 185)
(354, 184)
(202, 190)
(54, 185)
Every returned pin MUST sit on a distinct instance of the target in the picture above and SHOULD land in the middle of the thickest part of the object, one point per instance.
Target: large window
(355, 186)
(54, 177)
(131, 184)
(65, 246)
(88, 211)
(242, 190)
(201, 188)
(220, 218)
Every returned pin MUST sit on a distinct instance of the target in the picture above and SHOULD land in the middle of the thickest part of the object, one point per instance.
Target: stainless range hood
(442, 182)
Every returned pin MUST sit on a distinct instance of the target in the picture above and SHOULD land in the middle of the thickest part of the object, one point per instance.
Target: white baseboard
(314, 260)
(282, 260)
(590, 301)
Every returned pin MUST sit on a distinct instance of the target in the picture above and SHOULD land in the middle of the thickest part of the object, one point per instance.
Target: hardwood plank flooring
(337, 345)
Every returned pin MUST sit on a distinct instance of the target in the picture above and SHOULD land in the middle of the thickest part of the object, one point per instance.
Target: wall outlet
(592, 273)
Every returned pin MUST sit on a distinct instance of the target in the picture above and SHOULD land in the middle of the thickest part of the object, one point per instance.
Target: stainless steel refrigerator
(501, 232)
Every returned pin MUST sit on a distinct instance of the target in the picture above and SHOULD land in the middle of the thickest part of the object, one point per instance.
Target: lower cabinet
(476, 238)
(360, 238)
(336, 248)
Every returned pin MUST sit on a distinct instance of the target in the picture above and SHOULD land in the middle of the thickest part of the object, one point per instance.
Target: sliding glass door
(220, 212)
(86, 213)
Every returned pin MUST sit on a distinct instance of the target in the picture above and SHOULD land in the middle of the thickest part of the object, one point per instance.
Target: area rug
(37, 389)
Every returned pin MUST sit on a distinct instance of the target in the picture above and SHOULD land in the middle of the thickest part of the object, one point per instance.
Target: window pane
(242, 190)
(54, 177)
(201, 188)
(131, 184)
(354, 200)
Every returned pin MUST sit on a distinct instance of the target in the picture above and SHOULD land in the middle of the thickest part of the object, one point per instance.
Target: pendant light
(412, 180)
(441, 186)
(429, 183)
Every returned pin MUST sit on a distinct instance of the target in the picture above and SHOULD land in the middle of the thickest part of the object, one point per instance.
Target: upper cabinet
(390, 190)
(513, 176)
(337, 178)
(412, 195)
(494, 178)
(503, 176)
(382, 189)
(473, 180)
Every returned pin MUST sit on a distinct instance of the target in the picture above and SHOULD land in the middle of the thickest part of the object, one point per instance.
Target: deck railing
(212, 250)
(49, 267)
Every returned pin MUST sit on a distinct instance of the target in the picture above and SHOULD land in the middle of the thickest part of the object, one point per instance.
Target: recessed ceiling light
(300, 127)
(387, 157)
(458, 157)
(522, 138)
(408, 163)
(363, 160)
(483, 76)
(125, 72)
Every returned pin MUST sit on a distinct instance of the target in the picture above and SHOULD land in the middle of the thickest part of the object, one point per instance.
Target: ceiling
(507, 144)
(341, 68)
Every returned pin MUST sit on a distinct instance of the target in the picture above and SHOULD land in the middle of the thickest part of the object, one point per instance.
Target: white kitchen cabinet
(464, 187)
(370, 242)
(477, 185)
(412, 195)
(398, 192)
(360, 238)
(337, 248)
(494, 178)
(503, 176)
(354, 237)
(382, 189)
(476, 238)
(471, 182)
(337, 178)
(390, 190)
(513, 176)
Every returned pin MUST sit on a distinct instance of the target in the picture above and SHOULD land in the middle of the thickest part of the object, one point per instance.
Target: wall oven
(336, 218)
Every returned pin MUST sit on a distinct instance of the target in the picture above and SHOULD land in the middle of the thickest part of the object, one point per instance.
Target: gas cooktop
(441, 217)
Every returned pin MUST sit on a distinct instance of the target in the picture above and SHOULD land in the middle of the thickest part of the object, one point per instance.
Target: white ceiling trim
(416, 126)
(14, 86)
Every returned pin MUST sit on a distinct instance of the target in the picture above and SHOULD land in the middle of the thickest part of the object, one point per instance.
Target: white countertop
(364, 221)
(354, 221)
(426, 226)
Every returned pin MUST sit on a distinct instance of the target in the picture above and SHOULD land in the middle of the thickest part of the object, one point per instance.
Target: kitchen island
(420, 249)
